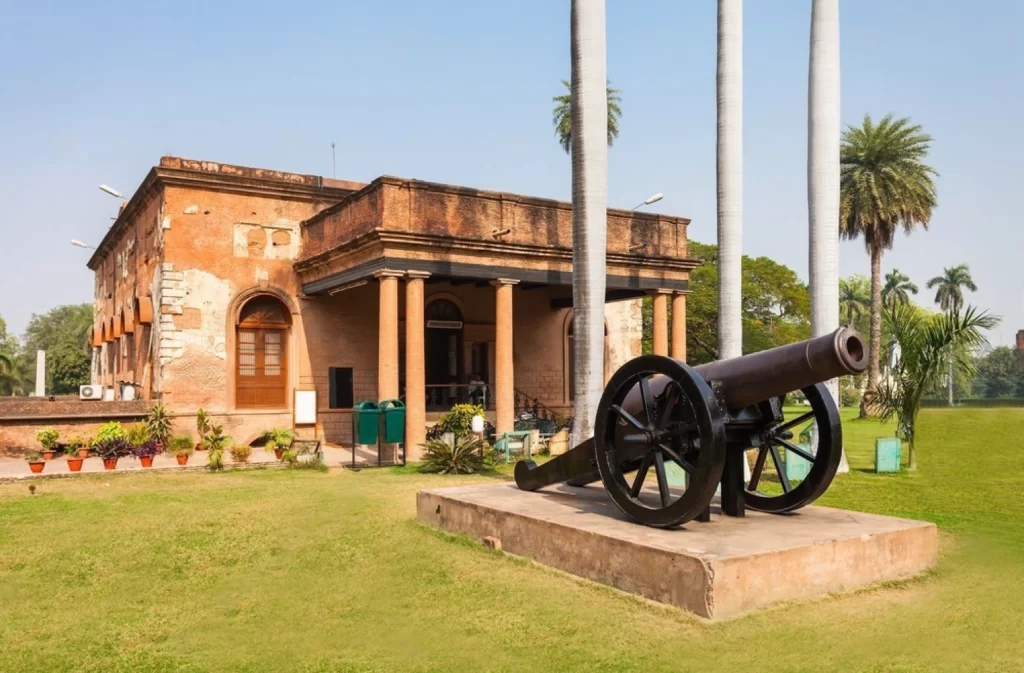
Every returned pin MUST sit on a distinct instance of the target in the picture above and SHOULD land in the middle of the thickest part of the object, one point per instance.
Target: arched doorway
(261, 358)
(444, 362)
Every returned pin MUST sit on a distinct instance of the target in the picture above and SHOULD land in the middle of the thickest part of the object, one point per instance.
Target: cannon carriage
(657, 412)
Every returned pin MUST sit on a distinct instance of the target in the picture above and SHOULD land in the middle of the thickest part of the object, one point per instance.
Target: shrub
(113, 447)
(158, 423)
(150, 447)
(107, 431)
(74, 444)
(468, 455)
(240, 453)
(137, 434)
(181, 445)
(278, 438)
(33, 457)
(48, 438)
(459, 420)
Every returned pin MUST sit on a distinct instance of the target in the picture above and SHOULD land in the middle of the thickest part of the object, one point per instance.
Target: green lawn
(304, 571)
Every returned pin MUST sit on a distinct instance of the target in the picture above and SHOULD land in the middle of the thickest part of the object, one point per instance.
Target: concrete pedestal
(717, 569)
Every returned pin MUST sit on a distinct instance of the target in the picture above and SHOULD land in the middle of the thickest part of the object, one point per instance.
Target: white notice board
(305, 407)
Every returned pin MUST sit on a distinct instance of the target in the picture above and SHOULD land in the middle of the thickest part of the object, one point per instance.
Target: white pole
(40, 373)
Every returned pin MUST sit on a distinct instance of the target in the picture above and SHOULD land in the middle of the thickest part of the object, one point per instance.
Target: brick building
(231, 289)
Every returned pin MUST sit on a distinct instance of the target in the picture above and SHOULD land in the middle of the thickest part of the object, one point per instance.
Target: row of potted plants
(152, 437)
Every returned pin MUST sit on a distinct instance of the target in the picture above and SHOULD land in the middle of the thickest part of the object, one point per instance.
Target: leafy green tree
(929, 347)
(562, 116)
(885, 185)
(1000, 373)
(898, 288)
(64, 333)
(776, 306)
(11, 377)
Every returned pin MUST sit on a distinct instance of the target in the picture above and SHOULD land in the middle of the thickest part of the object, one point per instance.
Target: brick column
(415, 376)
(661, 322)
(679, 326)
(504, 377)
(387, 335)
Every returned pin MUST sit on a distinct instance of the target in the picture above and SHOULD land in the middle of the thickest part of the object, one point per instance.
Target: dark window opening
(341, 393)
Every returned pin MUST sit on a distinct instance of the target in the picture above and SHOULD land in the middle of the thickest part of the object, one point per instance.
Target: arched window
(570, 359)
(261, 363)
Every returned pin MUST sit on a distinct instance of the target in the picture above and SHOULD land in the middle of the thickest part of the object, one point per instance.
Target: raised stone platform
(717, 569)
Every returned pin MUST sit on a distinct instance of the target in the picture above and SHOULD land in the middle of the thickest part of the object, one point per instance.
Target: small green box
(392, 421)
(365, 417)
(797, 467)
(887, 454)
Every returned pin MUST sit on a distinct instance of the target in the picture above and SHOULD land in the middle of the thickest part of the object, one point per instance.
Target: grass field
(305, 571)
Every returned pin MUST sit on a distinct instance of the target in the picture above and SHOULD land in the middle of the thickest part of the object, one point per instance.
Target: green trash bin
(365, 417)
(392, 421)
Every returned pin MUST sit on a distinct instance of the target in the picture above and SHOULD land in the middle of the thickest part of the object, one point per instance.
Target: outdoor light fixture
(110, 190)
(78, 244)
(653, 198)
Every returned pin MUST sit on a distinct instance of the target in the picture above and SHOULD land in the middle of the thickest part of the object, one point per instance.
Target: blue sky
(460, 92)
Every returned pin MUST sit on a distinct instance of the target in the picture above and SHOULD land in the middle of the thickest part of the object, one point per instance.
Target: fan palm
(562, 116)
(898, 289)
(950, 295)
(854, 298)
(885, 185)
(929, 347)
(11, 379)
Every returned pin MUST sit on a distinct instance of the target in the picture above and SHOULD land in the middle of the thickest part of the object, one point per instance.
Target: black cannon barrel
(760, 376)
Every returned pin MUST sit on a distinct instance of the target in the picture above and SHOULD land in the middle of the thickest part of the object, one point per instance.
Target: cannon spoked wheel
(823, 464)
(679, 421)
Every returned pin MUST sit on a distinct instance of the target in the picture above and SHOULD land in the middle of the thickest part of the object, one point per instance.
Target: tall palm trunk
(823, 174)
(730, 178)
(589, 207)
(874, 347)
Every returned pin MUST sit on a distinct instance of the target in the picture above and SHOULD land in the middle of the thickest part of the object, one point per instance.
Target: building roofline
(178, 171)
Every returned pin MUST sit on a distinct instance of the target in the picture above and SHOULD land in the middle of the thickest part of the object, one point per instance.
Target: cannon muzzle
(757, 377)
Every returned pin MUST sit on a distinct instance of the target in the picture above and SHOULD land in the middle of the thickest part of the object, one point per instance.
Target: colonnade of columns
(415, 366)
(661, 343)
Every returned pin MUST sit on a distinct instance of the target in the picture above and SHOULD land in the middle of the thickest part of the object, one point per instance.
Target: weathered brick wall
(22, 417)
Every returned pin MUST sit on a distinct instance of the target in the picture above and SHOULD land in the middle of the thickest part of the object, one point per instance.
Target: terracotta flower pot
(200, 447)
(37, 466)
(48, 455)
(147, 461)
(75, 464)
(83, 452)
(279, 453)
(182, 459)
(109, 463)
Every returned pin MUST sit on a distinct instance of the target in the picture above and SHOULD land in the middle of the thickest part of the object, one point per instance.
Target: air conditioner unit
(90, 392)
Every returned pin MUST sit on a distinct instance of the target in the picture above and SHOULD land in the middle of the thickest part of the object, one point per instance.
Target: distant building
(230, 289)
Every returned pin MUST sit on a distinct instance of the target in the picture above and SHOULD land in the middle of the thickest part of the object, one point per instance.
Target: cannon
(656, 411)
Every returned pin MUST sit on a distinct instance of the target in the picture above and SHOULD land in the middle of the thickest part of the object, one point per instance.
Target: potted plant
(81, 445)
(158, 423)
(48, 438)
(146, 451)
(111, 449)
(137, 435)
(240, 453)
(278, 440)
(202, 427)
(35, 462)
(181, 446)
(73, 452)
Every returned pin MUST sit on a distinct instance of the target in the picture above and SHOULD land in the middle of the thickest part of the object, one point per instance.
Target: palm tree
(950, 297)
(562, 116)
(589, 116)
(729, 84)
(11, 379)
(898, 289)
(854, 298)
(929, 346)
(884, 185)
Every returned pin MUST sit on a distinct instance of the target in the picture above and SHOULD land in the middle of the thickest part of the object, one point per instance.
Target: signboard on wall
(305, 407)
(444, 324)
